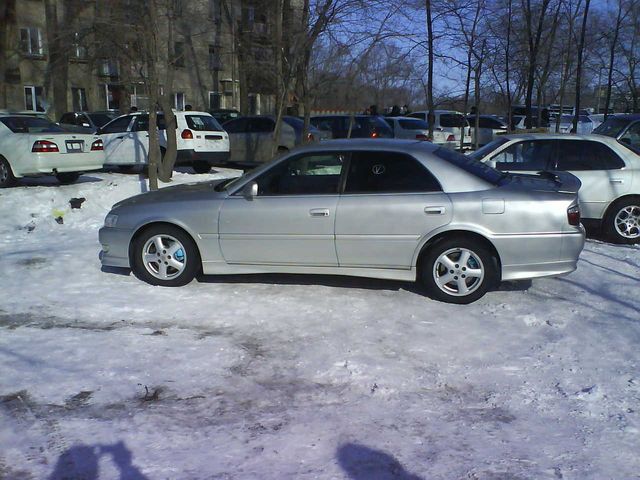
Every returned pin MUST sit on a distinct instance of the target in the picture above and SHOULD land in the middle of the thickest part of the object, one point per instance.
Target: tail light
(97, 145)
(451, 138)
(186, 134)
(43, 146)
(374, 134)
(310, 137)
(421, 136)
(573, 215)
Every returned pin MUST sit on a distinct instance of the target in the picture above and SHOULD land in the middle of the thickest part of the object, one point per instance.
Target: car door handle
(616, 180)
(319, 212)
(434, 210)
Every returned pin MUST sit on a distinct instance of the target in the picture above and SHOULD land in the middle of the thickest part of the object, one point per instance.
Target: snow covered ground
(282, 376)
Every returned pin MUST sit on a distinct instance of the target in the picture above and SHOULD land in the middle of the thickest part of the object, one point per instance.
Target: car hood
(177, 193)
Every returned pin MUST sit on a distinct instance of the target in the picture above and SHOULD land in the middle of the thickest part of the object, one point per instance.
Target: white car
(410, 128)
(609, 172)
(201, 140)
(452, 124)
(585, 125)
(489, 127)
(32, 146)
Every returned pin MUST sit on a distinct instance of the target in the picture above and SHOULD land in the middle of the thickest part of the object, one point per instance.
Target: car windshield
(203, 123)
(612, 127)
(488, 148)
(413, 124)
(31, 125)
(100, 119)
(471, 165)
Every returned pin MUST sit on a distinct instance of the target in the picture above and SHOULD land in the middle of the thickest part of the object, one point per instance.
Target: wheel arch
(140, 229)
(458, 232)
(2, 157)
(612, 204)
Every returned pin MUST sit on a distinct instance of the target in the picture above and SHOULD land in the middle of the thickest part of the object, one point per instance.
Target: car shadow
(51, 181)
(123, 271)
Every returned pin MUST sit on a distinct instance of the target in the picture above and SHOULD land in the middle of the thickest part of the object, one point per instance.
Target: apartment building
(85, 55)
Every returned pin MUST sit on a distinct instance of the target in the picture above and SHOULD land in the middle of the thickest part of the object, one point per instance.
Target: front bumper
(115, 247)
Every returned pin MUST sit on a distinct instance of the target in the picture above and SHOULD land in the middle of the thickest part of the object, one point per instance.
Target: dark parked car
(86, 122)
(223, 115)
(362, 126)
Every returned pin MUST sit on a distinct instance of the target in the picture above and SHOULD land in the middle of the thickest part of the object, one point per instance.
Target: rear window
(203, 123)
(296, 123)
(100, 119)
(31, 125)
(612, 127)
(413, 124)
(470, 165)
(449, 120)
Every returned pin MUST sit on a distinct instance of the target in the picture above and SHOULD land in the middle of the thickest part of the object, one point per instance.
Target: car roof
(560, 136)
(439, 111)
(412, 119)
(625, 116)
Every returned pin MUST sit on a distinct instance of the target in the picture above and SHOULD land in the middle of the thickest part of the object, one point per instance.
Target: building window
(179, 100)
(261, 25)
(31, 41)
(214, 59)
(214, 11)
(178, 52)
(249, 17)
(79, 51)
(79, 96)
(177, 8)
(113, 95)
(139, 99)
(109, 68)
(33, 99)
(214, 101)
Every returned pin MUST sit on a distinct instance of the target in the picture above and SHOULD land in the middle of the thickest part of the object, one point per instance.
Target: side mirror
(250, 190)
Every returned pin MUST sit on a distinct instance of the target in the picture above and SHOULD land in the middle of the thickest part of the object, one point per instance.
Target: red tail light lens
(420, 136)
(97, 145)
(573, 215)
(451, 138)
(310, 137)
(187, 134)
(374, 134)
(43, 146)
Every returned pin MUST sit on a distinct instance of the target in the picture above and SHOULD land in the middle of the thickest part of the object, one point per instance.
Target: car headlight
(110, 220)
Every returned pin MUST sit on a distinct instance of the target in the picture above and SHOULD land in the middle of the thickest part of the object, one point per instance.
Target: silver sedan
(391, 209)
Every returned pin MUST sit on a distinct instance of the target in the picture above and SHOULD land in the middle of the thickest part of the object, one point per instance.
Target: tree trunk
(430, 106)
(57, 72)
(579, 65)
(506, 63)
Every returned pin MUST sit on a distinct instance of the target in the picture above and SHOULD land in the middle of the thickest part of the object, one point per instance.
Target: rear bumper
(48, 163)
(189, 156)
(546, 255)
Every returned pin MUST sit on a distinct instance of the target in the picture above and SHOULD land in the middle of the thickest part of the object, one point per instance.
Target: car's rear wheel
(457, 270)
(7, 179)
(201, 167)
(165, 255)
(66, 178)
(622, 222)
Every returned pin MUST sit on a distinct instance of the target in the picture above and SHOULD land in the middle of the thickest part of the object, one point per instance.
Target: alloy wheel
(627, 222)
(458, 272)
(164, 257)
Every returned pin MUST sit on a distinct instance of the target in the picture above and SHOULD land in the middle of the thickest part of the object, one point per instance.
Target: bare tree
(579, 65)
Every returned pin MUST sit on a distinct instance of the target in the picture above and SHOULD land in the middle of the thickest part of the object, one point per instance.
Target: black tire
(7, 178)
(621, 224)
(201, 167)
(152, 271)
(65, 178)
(126, 168)
(481, 262)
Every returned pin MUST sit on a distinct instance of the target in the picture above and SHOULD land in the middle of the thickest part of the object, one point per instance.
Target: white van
(201, 141)
(452, 123)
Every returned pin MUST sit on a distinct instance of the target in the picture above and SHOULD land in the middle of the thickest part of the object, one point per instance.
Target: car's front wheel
(66, 178)
(7, 179)
(165, 255)
(622, 222)
(458, 270)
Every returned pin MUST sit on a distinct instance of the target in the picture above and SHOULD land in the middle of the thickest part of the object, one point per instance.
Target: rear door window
(388, 172)
(585, 155)
(118, 125)
(237, 126)
(632, 136)
(261, 125)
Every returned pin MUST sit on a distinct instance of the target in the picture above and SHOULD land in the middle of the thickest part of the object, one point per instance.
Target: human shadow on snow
(364, 463)
(81, 462)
